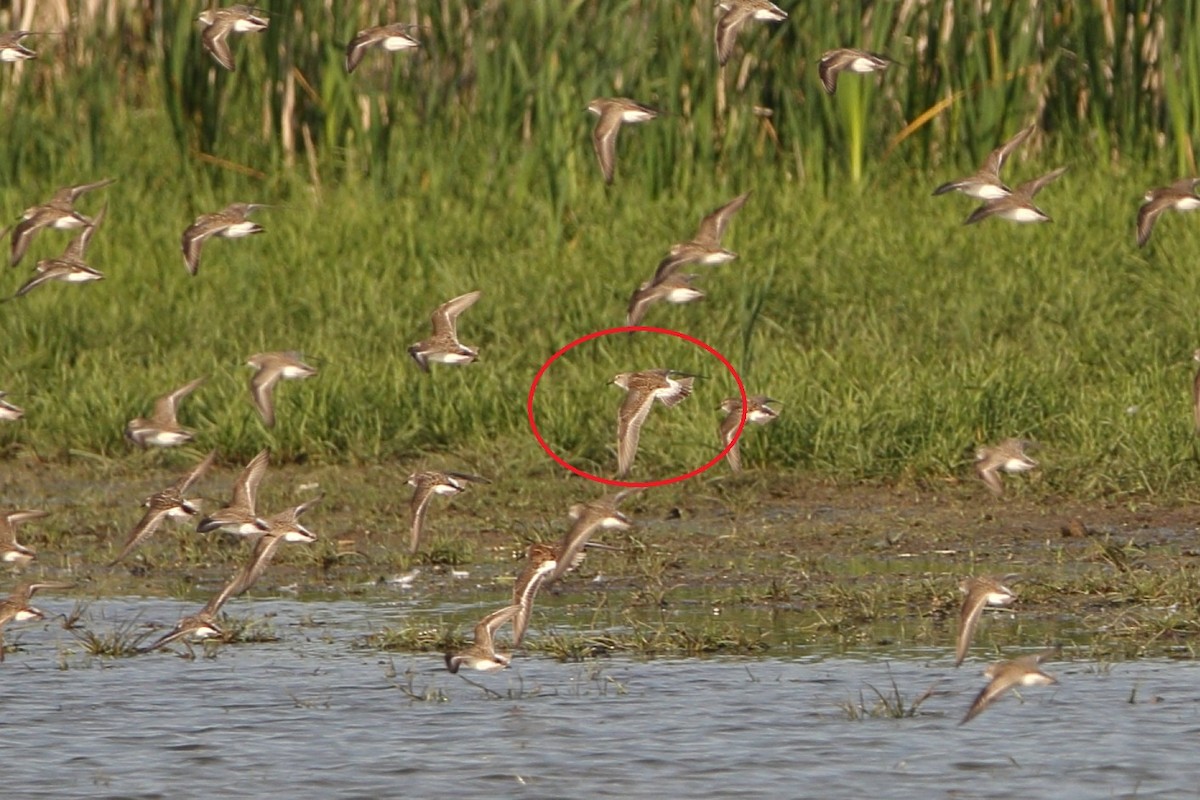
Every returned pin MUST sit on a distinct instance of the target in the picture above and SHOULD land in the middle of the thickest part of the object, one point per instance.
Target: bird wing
(215, 42)
(727, 29)
(359, 44)
(245, 488)
(1148, 214)
(446, 315)
(630, 419)
(145, 528)
(165, 407)
(604, 141)
(262, 386)
(968, 618)
(197, 472)
(995, 160)
(418, 507)
(829, 66)
(485, 630)
(1031, 188)
(712, 227)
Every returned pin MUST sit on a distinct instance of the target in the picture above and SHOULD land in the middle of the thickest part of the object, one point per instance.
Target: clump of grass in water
(889, 706)
(648, 640)
(246, 630)
(123, 641)
(413, 639)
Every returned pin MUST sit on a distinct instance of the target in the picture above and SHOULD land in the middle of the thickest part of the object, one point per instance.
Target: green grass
(896, 338)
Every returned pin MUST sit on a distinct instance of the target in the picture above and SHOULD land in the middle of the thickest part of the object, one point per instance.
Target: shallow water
(315, 715)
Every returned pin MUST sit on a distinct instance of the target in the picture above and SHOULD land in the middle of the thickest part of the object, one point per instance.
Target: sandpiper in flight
(758, 412)
(231, 222)
(614, 112)
(1179, 196)
(847, 58)
(270, 369)
(392, 38)
(540, 561)
(283, 527)
(1017, 206)
(676, 288)
(986, 184)
(12, 551)
(1008, 456)
(70, 267)
(482, 654)
(58, 212)
(705, 247)
(18, 608)
(169, 503)
(443, 346)
(737, 14)
(978, 592)
(220, 22)
(425, 486)
(162, 429)
(586, 519)
(239, 517)
(642, 389)
(1005, 675)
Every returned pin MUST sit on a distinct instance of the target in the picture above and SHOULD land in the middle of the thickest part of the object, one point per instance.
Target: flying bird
(239, 517)
(270, 368)
(12, 551)
(393, 38)
(70, 267)
(162, 428)
(1179, 196)
(758, 412)
(641, 390)
(614, 112)
(8, 411)
(1005, 675)
(482, 654)
(231, 222)
(986, 184)
(705, 246)
(425, 486)
(12, 50)
(220, 22)
(1017, 206)
(977, 593)
(283, 527)
(586, 519)
(737, 14)
(540, 562)
(170, 503)
(1008, 456)
(18, 607)
(676, 289)
(58, 212)
(836, 61)
(443, 346)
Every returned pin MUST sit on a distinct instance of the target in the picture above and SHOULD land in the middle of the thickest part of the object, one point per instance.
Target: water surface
(314, 714)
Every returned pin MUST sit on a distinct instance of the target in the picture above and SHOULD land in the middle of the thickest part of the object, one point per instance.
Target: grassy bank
(896, 338)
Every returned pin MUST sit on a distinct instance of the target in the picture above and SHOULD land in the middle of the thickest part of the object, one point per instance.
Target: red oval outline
(633, 329)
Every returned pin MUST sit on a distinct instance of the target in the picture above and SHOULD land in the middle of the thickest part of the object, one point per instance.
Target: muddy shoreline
(756, 558)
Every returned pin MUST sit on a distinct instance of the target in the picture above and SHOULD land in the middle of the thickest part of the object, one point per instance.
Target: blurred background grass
(896, 338)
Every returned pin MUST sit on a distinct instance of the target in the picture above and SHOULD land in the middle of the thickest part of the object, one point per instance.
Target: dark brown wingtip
(977, 215)
(452, 662)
